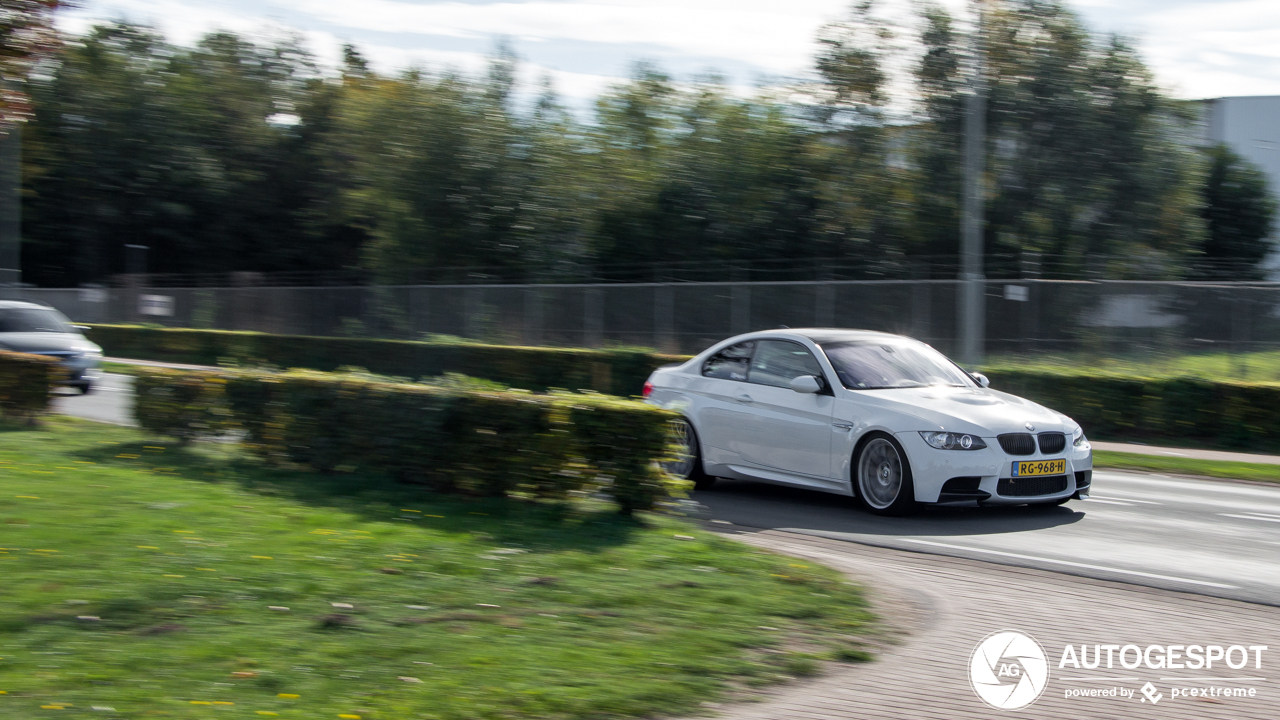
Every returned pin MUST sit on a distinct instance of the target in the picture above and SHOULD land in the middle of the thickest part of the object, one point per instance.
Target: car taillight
(648, 388)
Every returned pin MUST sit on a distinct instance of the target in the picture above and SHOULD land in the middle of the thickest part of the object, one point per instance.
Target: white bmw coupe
(881, 417)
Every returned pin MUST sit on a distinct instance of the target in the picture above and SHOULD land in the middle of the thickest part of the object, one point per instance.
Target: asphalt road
(111, 400)
(1214, 538)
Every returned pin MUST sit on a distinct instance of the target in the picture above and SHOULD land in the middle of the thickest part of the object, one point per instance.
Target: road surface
(1201, 536)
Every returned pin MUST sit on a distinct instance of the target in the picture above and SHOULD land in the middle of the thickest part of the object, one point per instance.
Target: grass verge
(196, 583)
(1186, 466)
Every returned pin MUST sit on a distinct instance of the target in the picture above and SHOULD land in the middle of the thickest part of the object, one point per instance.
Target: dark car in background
(30, 328)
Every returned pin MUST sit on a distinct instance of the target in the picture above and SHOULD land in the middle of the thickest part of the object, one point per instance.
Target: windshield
(879, 364)
(32, 320)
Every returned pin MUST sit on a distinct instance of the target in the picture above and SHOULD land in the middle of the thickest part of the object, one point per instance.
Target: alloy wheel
(880, 473)
(684, 456)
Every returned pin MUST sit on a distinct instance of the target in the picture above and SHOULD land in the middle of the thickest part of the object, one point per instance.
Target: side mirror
(982, 379)
(806, 384)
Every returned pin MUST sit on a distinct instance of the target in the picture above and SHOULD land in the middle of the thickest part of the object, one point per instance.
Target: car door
(787, 431)
(720, 415)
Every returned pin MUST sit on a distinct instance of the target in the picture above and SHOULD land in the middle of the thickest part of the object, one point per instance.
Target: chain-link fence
(1022, 316)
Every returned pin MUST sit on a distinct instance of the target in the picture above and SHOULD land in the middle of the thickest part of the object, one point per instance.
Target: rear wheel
(85, 388)
(687, 463)
(884, 477)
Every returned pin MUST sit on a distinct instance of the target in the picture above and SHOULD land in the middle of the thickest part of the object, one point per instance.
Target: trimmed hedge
(453, 439)
(615, 372)
(26, 382)
(1180, 409)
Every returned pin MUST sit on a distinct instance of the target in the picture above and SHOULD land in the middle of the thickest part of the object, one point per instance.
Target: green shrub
(1176, 409)
(451, 437)
(25, 384)
(616, 372)
(181, 404)
(621, 439)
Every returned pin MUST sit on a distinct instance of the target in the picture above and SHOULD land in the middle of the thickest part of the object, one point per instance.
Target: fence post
(664, 318)
(823, 297)
(533, 316)
(593, 317)
(474, 308)
(739, 303)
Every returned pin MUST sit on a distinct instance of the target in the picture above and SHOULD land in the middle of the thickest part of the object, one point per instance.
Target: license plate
(1032, 468)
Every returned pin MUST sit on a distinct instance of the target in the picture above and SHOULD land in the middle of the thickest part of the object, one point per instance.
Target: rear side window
(730, 363)
(778, 362)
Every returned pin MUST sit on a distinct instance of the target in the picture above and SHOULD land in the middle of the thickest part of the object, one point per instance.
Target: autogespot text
(1161, 657)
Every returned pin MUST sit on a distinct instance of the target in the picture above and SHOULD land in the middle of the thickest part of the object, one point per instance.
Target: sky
(1197, 48)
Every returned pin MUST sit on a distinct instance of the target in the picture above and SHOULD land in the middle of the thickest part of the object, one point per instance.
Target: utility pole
(10, 207)
(972, 287)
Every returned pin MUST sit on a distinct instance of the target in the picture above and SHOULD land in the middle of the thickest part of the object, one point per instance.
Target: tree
(26, 35)
(1240, 211)
(1084, 162)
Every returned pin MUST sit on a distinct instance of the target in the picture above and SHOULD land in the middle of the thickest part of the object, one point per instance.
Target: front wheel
(687, 461)
(884, 477)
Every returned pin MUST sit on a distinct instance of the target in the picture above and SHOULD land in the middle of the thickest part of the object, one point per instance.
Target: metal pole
(10, 207)
(972, 286)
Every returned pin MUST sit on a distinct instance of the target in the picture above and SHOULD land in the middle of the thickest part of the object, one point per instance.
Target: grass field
(172, 582)
(1186, 466)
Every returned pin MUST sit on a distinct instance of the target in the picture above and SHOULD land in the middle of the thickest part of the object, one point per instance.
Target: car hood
(45, 342)
(977, 411)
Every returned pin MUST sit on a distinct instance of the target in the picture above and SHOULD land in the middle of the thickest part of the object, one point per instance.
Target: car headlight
(1078, 438)
(953, 441)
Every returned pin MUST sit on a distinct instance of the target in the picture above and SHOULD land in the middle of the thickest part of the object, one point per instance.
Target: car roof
(829, 335)
(5, 304)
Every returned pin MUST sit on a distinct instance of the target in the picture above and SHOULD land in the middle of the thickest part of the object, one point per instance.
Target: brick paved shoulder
(947, 605)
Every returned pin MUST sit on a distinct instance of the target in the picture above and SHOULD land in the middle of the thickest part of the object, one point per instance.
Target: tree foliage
(1240, 212)
(236, 155)
(26, 35)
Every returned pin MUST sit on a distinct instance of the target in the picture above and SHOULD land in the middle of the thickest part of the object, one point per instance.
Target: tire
(883, 475)
(85, 388)
(688, 463)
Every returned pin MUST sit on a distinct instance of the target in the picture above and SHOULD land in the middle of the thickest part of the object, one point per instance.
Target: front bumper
(985, 476)
(78, 368)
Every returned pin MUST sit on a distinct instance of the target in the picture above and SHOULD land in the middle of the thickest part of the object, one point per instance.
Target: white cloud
(1197, 48)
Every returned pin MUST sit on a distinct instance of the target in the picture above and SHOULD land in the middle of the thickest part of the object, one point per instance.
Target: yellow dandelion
(27, 497)
(201, 702)
(222, 702)
(167, 575)
(207, 569)
(435, 516)
(184, 531)
(260, 557)
(406, 510)
(287, 696)
(348, 716)
(148, 547)
(266, 712)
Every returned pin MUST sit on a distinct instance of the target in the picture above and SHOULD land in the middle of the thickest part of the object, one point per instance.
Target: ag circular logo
(1008, 670)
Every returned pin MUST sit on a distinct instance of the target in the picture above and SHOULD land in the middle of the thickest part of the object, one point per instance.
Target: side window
(777, 362)
(730, 363)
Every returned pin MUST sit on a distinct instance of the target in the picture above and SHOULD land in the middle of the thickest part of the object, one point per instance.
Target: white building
(1251, 127)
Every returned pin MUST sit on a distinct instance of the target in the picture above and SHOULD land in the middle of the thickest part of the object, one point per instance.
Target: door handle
(745, 399)
(842, 426)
